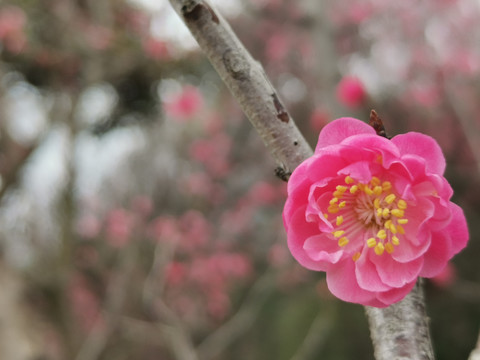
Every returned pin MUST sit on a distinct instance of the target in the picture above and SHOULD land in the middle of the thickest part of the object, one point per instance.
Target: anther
(333, 209)
(382, 234)
(402, 221)
(400, 229)
(389, 247)
(338, 233)
(333, 201)
(349, 180)
(395, 240)
(368, 191)
(402, 204)
(339, 220)
(371, 242)
(341, 188)
(379, 249)
(375, 181)
(398, 213)
(356, 256)
(377, 190)
(343, 241)
(390, 198)
(342, 204)
(386, 185)
(385, 212)
(353, 189)
(376, 203)
(325, 216)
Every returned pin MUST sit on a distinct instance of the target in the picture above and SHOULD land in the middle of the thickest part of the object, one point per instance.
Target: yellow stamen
(392, 228)
(402, 221)
(400, 229)
(375, 181)
(388, 223)
(371, 242)
(379, 212)
(349, 180)
(338, 233)
(395, 240)
(353, 189)
(390, 198)
(389, 247)
(386, 185)
(379, 249)
(385, 212)
(338, 194)
(333, 209)
(341, 188)
(382, 234)
(398, 213)
(343, 241)
(402, 204)
(368, 191)
(333, 201)
(325, 216)
(376, 203)
(342, 204)
(377, 190)
(339, 220)
(356, 256)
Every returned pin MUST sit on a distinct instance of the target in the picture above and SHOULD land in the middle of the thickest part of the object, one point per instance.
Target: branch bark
(399, 331)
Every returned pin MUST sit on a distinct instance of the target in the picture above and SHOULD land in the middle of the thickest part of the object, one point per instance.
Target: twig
(404, 322)
(248, 83)
(241, 321)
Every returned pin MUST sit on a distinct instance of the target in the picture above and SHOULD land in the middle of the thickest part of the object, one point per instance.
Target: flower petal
(342, 283)
(424, 146)
(396, 294)
(394, 273)
(457, 229)
(439, 252)
(297, 234)
(340, 129)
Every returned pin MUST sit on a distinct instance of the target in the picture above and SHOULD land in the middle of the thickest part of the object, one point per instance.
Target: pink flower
(351, 92)
(373, 213)
(186, 104)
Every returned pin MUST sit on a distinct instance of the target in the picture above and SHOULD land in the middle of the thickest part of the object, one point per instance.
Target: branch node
(282, 114)
(192, 11)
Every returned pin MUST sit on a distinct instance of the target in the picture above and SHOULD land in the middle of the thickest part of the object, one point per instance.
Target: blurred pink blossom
(186, 104)
(351, 92)
(119, 227)
(155, 49)
(12, 23)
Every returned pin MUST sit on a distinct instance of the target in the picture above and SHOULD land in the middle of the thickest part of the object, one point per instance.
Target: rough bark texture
(399, 331)
(248, 83)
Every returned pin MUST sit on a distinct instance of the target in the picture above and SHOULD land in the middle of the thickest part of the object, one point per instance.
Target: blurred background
(140, 217)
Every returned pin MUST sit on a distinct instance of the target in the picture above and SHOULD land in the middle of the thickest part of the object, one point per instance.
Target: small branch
(400, 332)
(247, 81)
(244, 318)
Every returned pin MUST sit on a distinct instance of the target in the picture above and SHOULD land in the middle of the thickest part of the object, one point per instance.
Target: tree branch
(248, 83)
(399, 331)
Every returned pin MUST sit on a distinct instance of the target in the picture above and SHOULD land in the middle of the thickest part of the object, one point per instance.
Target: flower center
(372, 209)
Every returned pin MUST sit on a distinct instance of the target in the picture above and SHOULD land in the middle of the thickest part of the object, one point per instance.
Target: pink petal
(394, 273)
(424, 146)
(438, 254)
(359, 170)
(394, 295)
(367, 275)
(378, 144)
(457, 229)
(297, 234)
(322, 248)
(322, 166)
(340, 129)
(341, 282)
